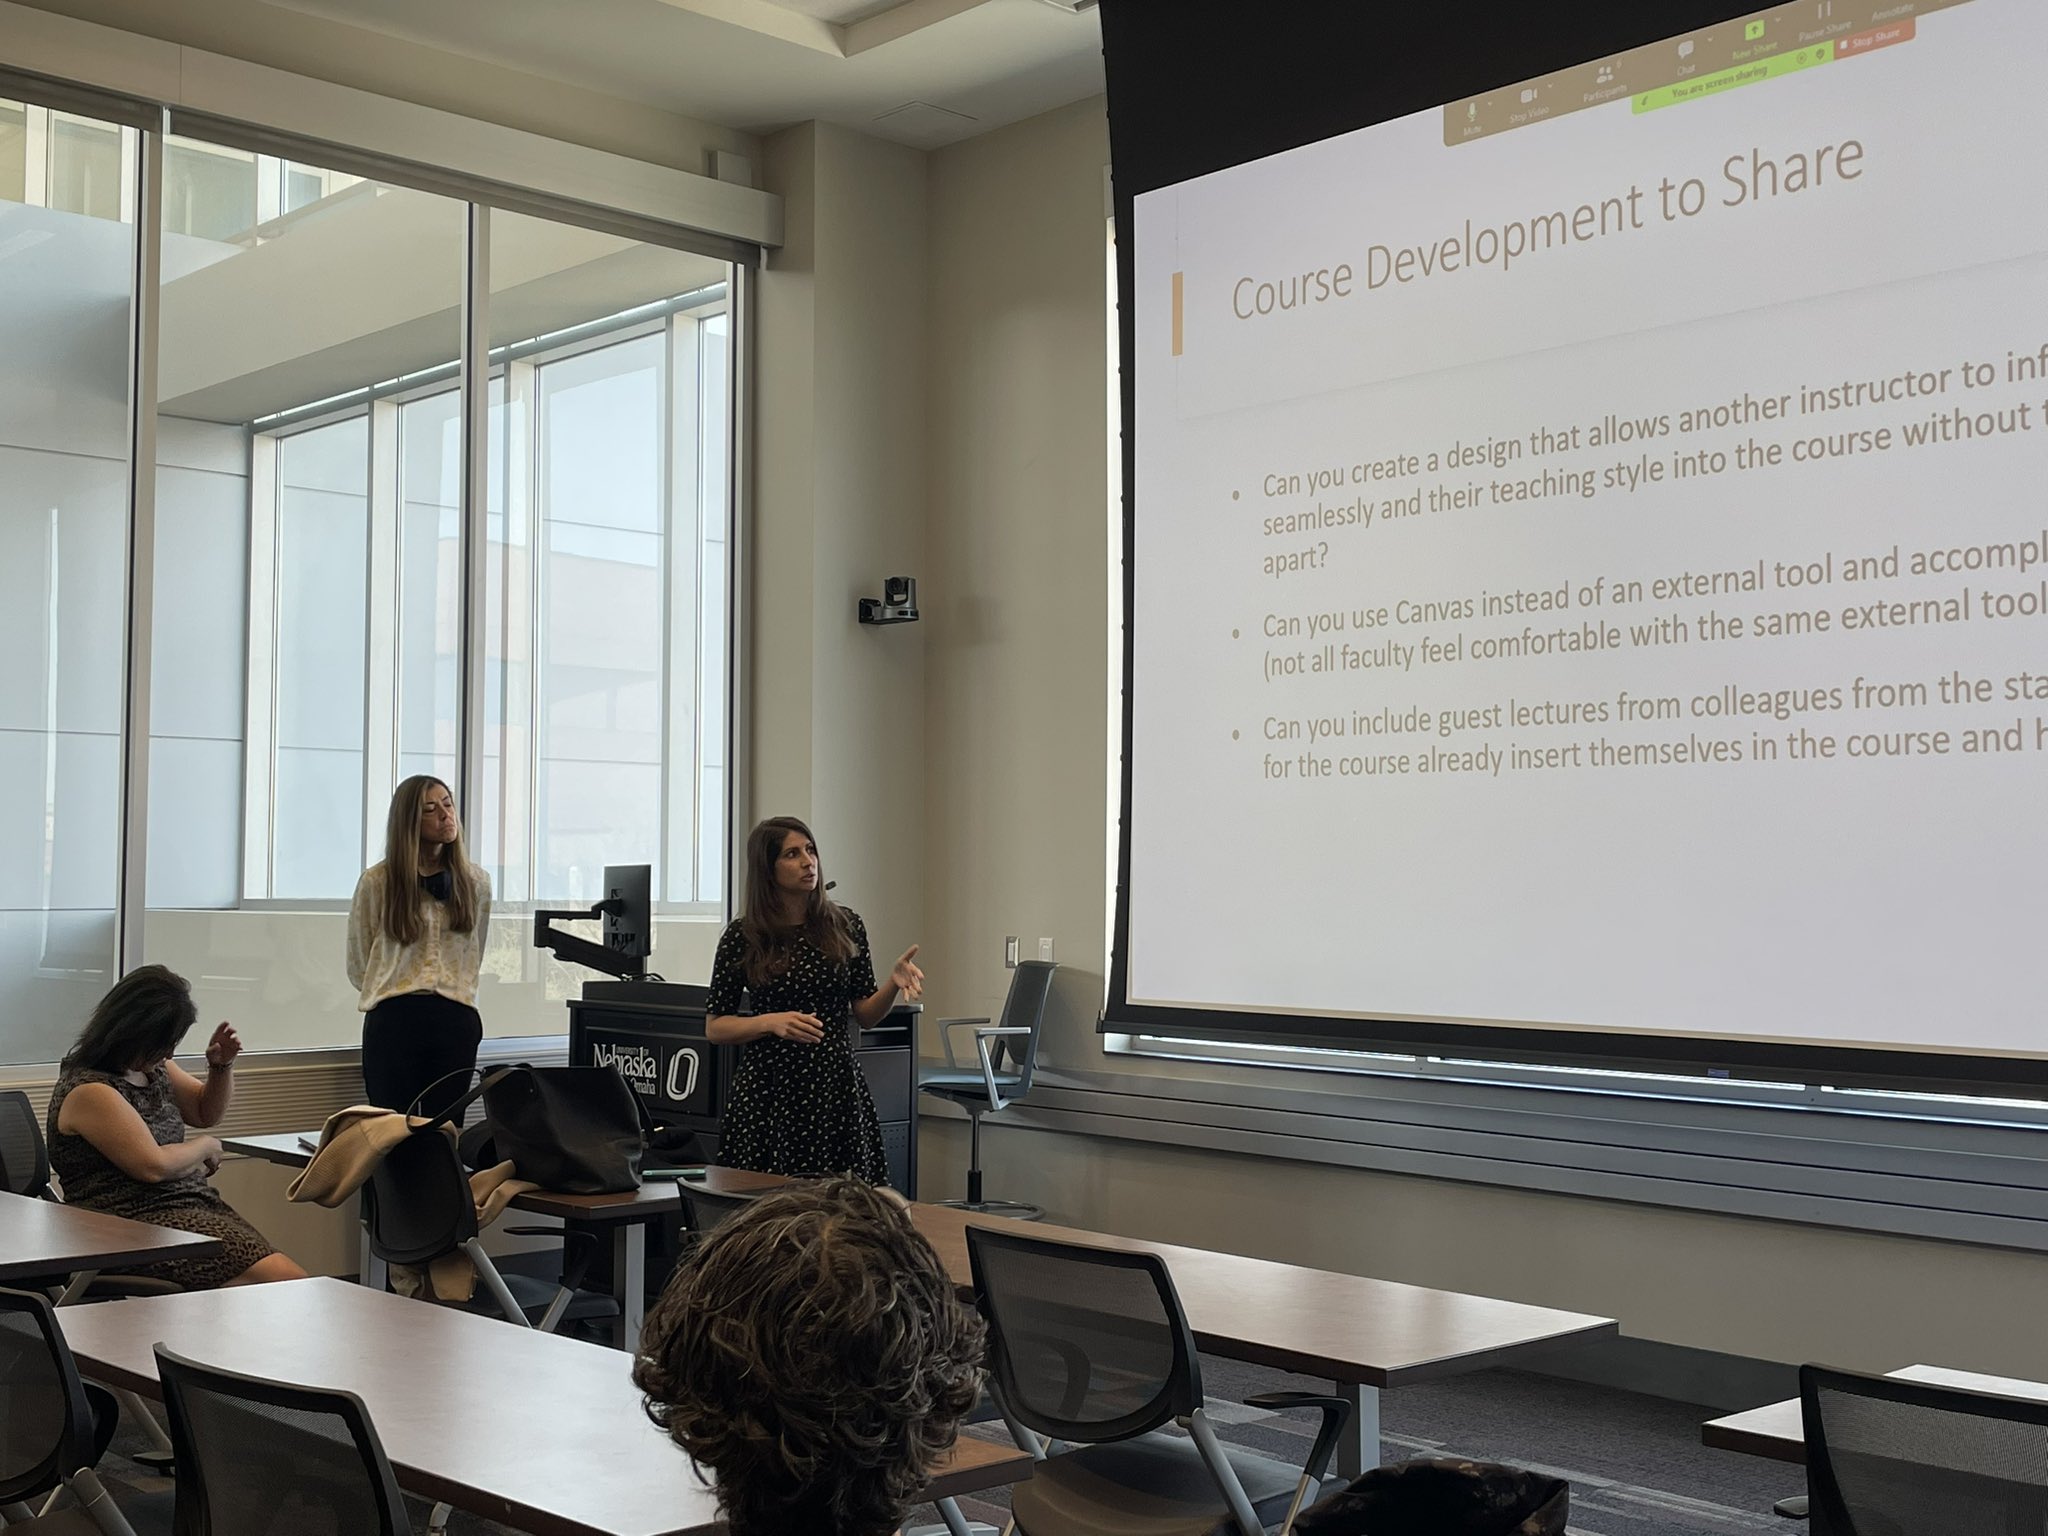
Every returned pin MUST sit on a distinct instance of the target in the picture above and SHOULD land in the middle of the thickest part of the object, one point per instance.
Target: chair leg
(495, 1283)
(551, 1319)
(137, 1410)
(98, 1506)
(975, 1201)
(974, 1157)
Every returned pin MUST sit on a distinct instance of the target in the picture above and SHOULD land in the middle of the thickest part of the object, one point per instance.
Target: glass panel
(279, 428)
(208, 192)
(503, 835)
(323, 524)
(64, 317)
(13, 152)
(593, 728)
(85, 166)
(199, 640)
(429, 583)
(306, 184)
(602, 435)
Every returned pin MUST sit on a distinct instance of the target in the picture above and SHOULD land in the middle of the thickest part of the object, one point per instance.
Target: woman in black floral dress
(798, 1102)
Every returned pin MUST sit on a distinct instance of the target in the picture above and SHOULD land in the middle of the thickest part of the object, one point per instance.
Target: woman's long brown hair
(405, 903)
(770, 938)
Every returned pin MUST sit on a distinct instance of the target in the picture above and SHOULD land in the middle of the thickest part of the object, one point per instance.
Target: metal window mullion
(473, 543)
(382, 635)
(682, 558)
(537, 594)
(259, 713)
(739, 512)
(516, 768)
(131, 855)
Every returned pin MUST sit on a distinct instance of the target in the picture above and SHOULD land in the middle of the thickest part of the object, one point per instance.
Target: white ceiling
(761, 65)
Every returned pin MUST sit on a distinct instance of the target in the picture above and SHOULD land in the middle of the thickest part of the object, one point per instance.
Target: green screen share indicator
(1731, 79)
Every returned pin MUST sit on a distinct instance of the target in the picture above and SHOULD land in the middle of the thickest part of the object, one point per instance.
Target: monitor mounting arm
(578, 951)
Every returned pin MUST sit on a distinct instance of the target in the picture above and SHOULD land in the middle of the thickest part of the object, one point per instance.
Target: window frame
(515, 368)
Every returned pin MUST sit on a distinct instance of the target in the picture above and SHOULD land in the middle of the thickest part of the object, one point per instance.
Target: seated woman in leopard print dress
(117, 1129)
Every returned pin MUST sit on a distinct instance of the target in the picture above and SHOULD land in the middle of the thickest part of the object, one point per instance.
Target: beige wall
(838, 708)
(1015, 592)
(1016, 715)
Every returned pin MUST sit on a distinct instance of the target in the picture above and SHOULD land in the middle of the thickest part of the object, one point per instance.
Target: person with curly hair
(812, 1354)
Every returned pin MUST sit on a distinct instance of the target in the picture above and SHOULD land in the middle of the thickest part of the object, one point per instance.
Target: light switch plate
(1010, 952)
(1045, 949)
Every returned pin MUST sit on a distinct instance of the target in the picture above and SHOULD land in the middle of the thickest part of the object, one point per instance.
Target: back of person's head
(138, 1023)
(813, 1355)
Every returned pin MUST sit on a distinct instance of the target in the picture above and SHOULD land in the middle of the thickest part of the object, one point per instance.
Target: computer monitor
(629, 910)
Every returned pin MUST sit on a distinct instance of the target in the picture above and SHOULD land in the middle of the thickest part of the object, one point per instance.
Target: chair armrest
(578, 1249)
(946, 1027)
(1336, 1413)
(988, 1065)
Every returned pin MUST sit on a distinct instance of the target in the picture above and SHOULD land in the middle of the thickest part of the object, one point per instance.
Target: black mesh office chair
(1889, 1457)
(1089, 1346)
(53, 1430)
(708, 1208)
(24, 1158)
(418, 1207)
(1006, 1058)
(262, 1458)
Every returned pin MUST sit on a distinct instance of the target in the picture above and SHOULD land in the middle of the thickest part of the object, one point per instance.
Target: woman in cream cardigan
(416, 934)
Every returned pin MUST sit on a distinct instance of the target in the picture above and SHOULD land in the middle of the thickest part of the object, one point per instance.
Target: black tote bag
(572, 1130)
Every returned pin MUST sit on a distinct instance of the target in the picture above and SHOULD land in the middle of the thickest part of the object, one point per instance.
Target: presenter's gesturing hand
(801, 1027)
(906, 977)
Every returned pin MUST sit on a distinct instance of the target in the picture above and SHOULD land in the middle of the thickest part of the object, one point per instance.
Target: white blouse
(440, 961)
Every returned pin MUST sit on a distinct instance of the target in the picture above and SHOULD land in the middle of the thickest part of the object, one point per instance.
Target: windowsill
(1860, 1162)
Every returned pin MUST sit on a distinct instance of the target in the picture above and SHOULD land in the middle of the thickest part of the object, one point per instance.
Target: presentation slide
(1590, 550)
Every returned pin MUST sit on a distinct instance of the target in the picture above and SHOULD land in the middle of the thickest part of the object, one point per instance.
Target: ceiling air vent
(924, 126)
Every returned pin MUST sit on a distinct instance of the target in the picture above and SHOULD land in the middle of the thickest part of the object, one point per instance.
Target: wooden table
(545, 1434)
(1363, 1334)
(41, 1237)
(623, 1218)
(1777, 1432)
(1366, 1335)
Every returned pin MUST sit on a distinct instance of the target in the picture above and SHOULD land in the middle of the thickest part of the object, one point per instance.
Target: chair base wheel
(1794, 1508)
(1016, 1210)
(163, 1463)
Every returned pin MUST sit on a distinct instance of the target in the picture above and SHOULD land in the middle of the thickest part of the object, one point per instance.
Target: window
(604, 633)
(64, 448)
(209, 192)
(308, 604)
(323, 528)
